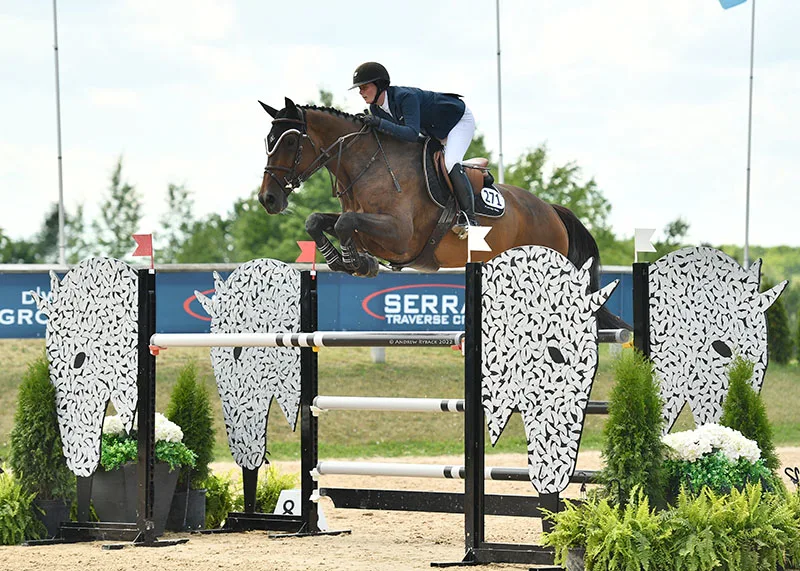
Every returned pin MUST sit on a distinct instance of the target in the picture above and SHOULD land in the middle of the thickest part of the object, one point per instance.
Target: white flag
(476, 239)
(641, 240)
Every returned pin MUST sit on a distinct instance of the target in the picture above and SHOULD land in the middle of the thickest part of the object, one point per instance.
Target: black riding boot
(463, 192)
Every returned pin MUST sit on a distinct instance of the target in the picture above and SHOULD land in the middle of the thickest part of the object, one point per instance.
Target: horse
(387, 212)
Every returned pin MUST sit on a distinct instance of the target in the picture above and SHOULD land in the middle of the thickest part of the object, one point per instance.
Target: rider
(407, 112)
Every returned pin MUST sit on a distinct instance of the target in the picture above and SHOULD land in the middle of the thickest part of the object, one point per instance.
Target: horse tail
(583, 246)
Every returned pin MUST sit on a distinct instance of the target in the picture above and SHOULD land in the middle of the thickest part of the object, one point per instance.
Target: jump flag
(144, 247)
(731, 3)
(641, 241)
(308, 252)
(476, 240)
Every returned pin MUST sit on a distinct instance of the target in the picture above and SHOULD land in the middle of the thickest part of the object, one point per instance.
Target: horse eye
(555, 355)
(80, 359)
(290, 142)
(237, 352)
(722, 348)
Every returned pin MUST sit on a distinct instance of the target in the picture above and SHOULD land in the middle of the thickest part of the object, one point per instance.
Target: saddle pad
(488, 202)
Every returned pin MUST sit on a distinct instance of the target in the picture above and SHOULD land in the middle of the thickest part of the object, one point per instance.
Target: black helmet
(371, 72)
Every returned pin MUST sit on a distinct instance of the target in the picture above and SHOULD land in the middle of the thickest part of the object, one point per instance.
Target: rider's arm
(411, 117)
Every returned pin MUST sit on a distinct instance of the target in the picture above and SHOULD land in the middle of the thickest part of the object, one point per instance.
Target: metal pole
(62, 259)
(499, 100)
(749, 142)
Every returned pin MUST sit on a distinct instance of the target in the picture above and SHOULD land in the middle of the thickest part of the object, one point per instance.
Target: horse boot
(465, 197)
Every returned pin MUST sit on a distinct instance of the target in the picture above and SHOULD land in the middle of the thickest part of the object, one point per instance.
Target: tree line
(246, 232)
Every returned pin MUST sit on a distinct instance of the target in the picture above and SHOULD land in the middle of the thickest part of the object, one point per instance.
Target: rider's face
(368, 91)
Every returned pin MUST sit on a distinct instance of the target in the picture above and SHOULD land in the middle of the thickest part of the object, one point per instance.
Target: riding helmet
(371, 72)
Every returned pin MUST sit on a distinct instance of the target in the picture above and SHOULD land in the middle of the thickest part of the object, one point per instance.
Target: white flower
(691, 445)
(165, 429)
(113, 425)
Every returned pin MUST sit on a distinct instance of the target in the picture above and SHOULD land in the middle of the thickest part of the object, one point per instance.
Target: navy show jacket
(416, 111)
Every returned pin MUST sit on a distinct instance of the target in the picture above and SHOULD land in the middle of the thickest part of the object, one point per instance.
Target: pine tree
(744, 410)
(632, 447)
(779, 338)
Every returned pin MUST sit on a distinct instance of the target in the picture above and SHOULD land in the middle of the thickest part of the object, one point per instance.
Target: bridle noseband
(292, 179)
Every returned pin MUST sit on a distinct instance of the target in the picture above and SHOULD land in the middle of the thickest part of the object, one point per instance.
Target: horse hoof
(371, 269)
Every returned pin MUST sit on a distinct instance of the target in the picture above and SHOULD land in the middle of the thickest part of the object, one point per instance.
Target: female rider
(408, 112)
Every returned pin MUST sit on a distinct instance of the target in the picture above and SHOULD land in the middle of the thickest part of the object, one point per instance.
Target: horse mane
(330, 111)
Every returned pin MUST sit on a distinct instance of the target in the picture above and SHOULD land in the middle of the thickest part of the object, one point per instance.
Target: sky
(649, 98)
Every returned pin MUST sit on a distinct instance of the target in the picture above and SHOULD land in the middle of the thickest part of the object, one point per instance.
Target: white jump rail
(315, 339)
(450, 472)
(334, 339)
(389, 404)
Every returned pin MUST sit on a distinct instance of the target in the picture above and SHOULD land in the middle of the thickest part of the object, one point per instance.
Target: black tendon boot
(463, 192)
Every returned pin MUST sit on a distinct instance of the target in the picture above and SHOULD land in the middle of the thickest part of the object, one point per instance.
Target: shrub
(190, 408)
(744, 410)
(17, 522)
(270, 485)
(219, 499)
(779, 338)
(37, 457)
(632, 446)
(745, 530)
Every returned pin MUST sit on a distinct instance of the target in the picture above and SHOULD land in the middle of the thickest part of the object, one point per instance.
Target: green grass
(427, 372)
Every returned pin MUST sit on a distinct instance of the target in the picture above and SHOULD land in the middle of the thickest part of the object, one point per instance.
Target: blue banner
(388, 302)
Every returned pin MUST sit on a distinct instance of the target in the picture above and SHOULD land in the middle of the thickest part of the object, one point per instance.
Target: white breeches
(458, 140)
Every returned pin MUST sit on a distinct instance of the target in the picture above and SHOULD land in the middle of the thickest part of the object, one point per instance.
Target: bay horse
(387, 212)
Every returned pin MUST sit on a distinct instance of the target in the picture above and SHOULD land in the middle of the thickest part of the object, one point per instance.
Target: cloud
(118, 99)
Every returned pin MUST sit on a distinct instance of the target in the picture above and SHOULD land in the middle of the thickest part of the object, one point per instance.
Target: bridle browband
(292, 179)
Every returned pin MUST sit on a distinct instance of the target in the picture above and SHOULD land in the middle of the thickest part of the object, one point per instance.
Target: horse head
(287, 164)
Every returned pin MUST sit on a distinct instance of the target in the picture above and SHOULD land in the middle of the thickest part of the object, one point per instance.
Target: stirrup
(461, 225)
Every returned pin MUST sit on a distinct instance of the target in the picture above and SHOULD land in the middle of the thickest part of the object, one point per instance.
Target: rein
(292, 180)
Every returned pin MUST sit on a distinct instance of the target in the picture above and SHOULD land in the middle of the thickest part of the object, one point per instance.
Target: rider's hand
(371, 121)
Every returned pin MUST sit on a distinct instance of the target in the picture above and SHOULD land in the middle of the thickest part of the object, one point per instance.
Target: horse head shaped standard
(259, 296)
(92, 336)
(705, 309)
(287, 165)
(540, 354)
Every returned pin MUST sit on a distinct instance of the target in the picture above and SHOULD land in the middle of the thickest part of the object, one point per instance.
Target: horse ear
(271, 110)
(291, 108)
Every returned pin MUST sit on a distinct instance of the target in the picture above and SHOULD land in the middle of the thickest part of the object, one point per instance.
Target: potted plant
(568, 536)
(17, 520)
(37, 458)
(713, 456)
(115, 489)
(190, 408)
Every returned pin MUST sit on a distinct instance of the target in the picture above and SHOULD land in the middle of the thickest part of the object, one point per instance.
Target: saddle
(488, 200)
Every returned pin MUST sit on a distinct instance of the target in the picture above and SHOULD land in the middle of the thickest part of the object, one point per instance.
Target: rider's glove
(371, 120)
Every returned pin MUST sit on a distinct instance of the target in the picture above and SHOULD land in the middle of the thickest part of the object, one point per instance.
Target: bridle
(292, 179)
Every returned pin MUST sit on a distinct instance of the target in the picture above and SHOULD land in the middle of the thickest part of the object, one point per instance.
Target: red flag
(308, 251)
(144, 246)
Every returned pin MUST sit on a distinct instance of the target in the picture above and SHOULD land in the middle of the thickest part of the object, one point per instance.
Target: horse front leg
(363, 264)
(317, 224)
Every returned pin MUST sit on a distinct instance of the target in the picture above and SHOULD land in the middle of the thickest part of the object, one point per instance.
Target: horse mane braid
(330, 110)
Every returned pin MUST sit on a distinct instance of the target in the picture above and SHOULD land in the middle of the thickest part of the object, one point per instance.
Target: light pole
(61, 253)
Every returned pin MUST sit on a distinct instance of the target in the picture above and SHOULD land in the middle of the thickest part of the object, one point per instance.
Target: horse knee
(315, 224)
(345, 227)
